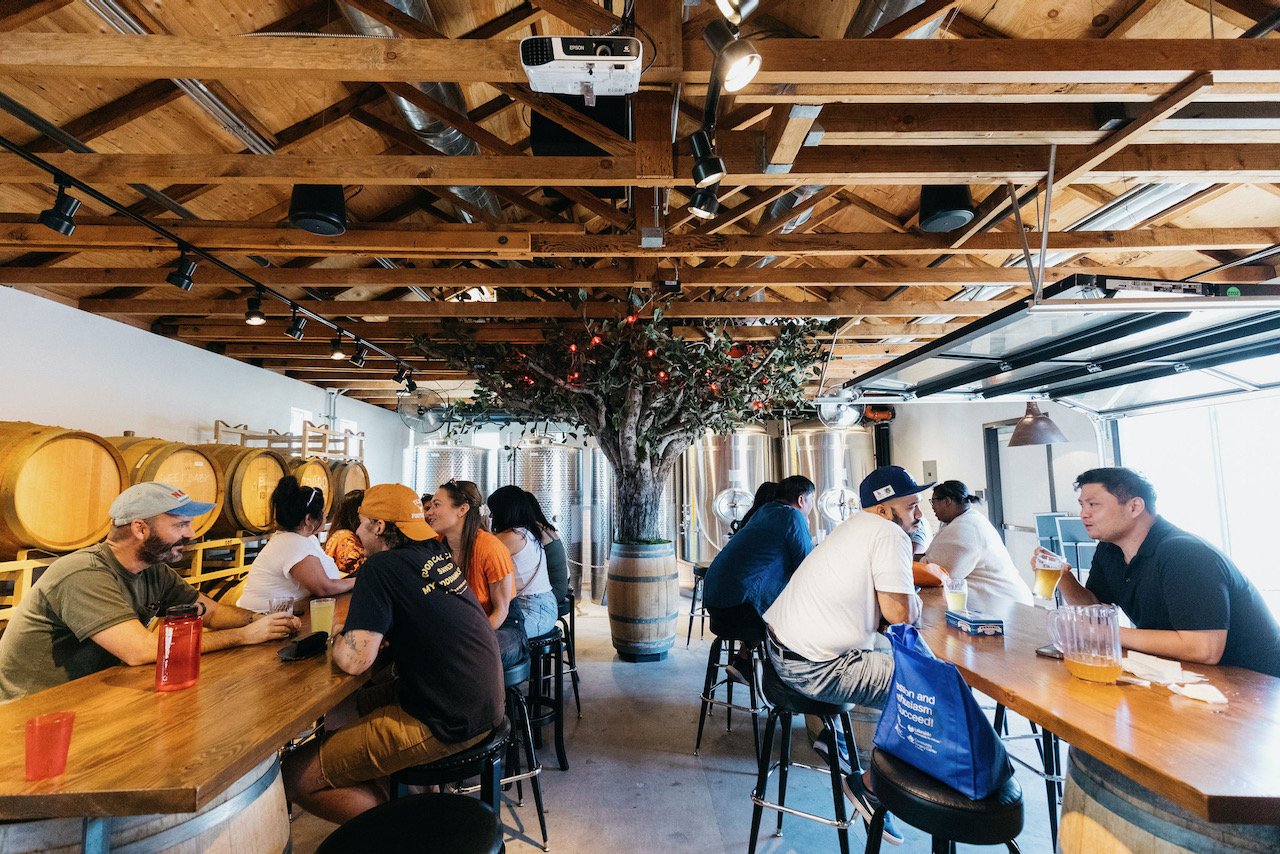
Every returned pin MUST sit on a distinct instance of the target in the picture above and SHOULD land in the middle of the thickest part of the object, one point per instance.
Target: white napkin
(1205, 692)
(1162, 671)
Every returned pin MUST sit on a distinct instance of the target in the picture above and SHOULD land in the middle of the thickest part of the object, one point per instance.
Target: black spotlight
(708, 169)
(705, 204)
(319, 209)
(402, 372)
(336, 351)
(181, 275)
(296, 326)
(253, 314)
(361, 353)
(945, 207)
(59, 217)
(410, 386)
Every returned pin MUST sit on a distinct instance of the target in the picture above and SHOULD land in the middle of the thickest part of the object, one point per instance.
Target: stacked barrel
(56, 484)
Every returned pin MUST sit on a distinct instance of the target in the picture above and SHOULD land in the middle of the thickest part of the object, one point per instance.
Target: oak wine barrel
(55, 487)
(644, 597)
(347, 475)
(1103, 810)
(314, 472)
(251, 816)
(251, 475)
(188, 467)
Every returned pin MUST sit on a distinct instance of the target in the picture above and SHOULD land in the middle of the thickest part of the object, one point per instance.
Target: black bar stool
(719, 657)
(786, 704)
(442, 824)
(483, 759)
(568, 619)
(518, 713)
(697, 611)
(546, 690)
(940, 811)
(1049, 747)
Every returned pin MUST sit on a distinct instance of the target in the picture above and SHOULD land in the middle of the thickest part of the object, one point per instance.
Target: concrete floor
(634, 784)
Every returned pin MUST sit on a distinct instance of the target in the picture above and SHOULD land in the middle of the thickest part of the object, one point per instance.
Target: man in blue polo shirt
(1186, 599)
(755, 564)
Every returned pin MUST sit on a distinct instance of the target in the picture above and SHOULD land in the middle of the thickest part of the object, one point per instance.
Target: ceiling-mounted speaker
(945, 207)
(319, 209)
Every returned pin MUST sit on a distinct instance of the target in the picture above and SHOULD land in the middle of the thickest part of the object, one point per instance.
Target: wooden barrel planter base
(644, 596)
(1102, 810)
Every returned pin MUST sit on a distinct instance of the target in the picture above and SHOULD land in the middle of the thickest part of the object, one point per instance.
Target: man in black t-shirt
(1187, 599)
(448, 694)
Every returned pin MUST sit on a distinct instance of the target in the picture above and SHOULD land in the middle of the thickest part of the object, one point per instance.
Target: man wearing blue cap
(822, 628)
(90, 610)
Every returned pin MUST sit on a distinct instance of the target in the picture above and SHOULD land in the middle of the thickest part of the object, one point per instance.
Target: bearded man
(92, 609)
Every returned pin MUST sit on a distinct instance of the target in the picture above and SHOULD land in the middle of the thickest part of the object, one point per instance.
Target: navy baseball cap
(886, 483)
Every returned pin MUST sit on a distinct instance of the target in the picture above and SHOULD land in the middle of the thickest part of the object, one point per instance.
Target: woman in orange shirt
(454, 512)
(342, 544)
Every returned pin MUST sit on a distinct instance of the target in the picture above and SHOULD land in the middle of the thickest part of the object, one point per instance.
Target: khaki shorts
(384, 740)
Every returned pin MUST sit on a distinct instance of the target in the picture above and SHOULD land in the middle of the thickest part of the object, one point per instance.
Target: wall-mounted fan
(423, 410)
(839, 411)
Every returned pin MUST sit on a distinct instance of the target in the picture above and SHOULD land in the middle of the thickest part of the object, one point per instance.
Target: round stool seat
(422, 824)
(564, 606)
(515, 674)
(540, 642)
(787, 699)
(937, 809)
(446, 770)
(700, 570)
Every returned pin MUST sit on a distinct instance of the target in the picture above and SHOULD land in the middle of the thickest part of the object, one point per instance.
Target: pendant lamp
(1035, 428)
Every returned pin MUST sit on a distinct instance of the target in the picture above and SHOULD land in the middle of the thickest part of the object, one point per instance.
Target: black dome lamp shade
(319, 209)
(61, 217)
(945, 207)
(1035, 428)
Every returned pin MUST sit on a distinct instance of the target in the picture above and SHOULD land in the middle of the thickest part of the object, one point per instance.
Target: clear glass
(1089, 638)
(957, 593)
(322, 615)
(279, 605)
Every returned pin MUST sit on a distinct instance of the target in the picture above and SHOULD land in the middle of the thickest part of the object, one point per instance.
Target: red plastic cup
(48, 739)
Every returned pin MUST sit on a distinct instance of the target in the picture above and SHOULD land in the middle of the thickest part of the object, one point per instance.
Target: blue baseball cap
(886, 483)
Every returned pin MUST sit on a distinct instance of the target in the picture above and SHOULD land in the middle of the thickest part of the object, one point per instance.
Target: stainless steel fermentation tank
(551, 472)
(836, 461)
(719, 477)
(437, 461)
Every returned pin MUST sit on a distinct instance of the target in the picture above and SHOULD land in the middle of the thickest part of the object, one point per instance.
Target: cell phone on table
(1050, 651)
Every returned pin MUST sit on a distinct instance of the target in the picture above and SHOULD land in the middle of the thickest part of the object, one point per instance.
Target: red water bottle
(178, 648)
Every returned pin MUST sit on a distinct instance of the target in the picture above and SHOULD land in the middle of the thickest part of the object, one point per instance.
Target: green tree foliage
(644, 392)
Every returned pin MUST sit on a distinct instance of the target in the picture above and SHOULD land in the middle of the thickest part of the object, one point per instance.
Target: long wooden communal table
(1221, 763)
(135, 751)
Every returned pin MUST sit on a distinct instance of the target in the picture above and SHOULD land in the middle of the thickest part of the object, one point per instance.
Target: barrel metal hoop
(201, 822)
(641, 621)
(625, 578)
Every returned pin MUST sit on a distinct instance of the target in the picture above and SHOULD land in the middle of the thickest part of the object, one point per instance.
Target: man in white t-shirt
(822, 628)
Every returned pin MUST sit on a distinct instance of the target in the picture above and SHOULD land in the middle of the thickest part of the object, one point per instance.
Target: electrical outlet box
(930, 471)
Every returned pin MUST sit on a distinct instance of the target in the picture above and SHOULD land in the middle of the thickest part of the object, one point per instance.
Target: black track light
(253, 314)
(705, 203)
(181, 275)
(402, 372)
(361, 353)
(296, 326)
(410, 386)
(337, 353)
(60, 216)
(708, 169)
(737, 11)
(737, 60)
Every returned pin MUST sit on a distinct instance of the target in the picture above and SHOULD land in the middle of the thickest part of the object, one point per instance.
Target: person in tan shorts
(447, 695)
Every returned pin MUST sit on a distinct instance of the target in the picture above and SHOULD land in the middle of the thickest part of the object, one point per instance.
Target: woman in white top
(517, 526)
(292, 564)
(968, 546)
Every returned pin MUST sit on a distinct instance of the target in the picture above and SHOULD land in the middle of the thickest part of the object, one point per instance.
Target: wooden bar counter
(135, 751)
(1221, 763)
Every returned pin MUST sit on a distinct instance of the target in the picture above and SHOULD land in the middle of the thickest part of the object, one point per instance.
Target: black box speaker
(548, 138)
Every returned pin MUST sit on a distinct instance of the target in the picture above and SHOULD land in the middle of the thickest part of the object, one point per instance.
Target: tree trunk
(640, 510)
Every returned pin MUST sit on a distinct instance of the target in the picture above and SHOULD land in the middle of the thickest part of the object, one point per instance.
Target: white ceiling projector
(589, 66)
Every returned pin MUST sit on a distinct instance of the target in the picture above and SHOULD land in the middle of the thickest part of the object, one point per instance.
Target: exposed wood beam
(1132, 18)
(785, 133)
(113, 115)
(583, 14)
(785, 61)
(17, 13)
(552, 241)
(539, 310)
(505, 24)
(567, 117)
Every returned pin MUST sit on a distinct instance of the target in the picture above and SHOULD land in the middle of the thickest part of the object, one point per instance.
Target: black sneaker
(735, 674)
(820, 747)
(866, 803)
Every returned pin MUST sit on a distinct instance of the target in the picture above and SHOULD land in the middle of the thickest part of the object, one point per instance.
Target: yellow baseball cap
(395, 502)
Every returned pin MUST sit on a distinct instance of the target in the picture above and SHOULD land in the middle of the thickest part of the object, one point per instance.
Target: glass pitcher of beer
(1089, 637)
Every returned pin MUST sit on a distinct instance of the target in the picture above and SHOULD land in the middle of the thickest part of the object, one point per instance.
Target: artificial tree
(644, 387)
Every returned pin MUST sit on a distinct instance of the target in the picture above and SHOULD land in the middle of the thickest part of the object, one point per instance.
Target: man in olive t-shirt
(91, 609)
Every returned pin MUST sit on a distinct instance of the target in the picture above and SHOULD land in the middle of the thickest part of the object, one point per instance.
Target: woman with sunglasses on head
(516, 523)
(292, 564)
(455, 513)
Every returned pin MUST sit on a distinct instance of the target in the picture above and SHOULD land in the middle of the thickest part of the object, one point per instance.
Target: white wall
(69, 368)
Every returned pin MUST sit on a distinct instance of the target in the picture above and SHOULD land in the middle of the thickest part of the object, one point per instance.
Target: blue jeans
(540, 612)
(859, 676)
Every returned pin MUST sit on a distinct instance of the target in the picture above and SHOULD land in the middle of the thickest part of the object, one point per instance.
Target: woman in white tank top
(517, 528)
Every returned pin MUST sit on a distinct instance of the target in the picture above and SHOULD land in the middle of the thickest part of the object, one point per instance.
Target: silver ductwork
(874, 14)
(444, 138)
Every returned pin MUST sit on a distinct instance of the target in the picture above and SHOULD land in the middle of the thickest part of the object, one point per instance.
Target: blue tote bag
(932, 722)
